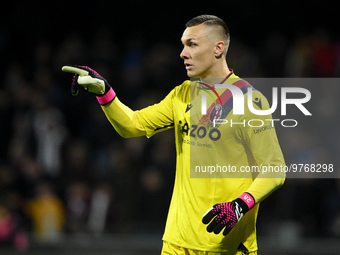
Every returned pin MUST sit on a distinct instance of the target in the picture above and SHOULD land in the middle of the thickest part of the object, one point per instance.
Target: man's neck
(219, 71)
(217, 77)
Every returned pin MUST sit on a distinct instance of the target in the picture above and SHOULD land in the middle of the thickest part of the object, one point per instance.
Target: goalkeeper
(214, 215)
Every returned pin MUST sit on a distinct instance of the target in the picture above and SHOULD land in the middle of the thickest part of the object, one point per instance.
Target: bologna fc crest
(216, 113)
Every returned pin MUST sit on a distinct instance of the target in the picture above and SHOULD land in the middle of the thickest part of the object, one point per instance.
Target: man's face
(198, 52)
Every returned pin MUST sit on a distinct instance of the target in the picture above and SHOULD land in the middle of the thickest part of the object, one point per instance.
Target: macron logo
(258, 102)
(189, 106)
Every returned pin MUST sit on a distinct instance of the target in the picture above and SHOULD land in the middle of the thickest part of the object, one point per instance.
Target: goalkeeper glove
(88, 79)
(227, 214)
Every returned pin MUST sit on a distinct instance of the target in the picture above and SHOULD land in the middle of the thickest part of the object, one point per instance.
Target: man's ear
(219, 49)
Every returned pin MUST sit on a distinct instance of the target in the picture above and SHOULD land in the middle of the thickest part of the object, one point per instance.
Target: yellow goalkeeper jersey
(215, 152)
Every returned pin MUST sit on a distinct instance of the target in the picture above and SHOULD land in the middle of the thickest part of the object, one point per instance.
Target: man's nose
(184, 54)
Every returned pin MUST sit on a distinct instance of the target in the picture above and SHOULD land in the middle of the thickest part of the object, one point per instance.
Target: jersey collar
(206, 86)
(231, 72)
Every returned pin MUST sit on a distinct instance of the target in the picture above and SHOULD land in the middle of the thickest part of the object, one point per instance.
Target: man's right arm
(124, 120)
(147, 121)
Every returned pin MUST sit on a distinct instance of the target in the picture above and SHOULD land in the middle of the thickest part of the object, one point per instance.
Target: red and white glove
(226, 215)
(87, 79)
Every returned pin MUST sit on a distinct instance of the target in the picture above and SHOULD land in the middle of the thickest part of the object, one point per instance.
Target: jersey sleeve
(261, 139)
(147, 121)
(158, 117)
(123, 119)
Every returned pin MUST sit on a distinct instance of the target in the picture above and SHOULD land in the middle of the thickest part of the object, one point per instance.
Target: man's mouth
(188, 66)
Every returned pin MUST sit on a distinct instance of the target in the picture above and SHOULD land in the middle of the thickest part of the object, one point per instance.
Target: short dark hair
(211, 20)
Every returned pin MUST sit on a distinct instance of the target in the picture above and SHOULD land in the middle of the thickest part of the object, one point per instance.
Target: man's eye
(192, 44)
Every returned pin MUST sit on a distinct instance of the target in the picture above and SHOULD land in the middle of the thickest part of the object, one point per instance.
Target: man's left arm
(266, 153)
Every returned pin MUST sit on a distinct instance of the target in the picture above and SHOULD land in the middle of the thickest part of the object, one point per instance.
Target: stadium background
(112, 194)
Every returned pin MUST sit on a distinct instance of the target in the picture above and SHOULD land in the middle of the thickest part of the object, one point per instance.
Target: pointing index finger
(72, 69)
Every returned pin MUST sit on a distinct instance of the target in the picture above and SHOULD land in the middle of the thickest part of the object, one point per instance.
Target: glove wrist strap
(107, 97)
(248, 200)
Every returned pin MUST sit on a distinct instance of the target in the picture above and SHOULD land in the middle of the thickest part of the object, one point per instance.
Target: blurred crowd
(64, 169)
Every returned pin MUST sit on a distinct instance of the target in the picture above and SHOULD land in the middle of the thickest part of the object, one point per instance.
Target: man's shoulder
(244, 84)
(185, 84)
(182, 87)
